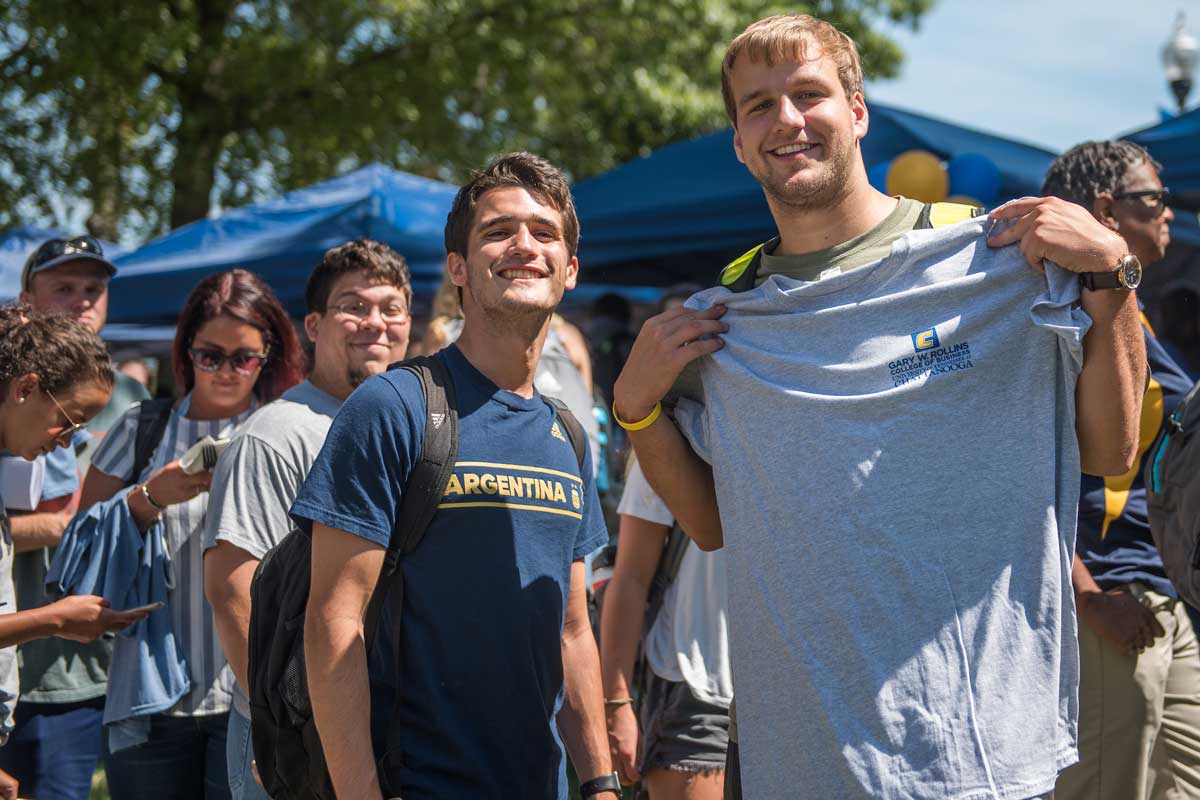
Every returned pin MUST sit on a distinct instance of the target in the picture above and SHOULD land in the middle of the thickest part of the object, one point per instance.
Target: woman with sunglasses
(54, 376)
(234, 350)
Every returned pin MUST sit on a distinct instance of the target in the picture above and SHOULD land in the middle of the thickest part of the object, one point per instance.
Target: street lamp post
(1179, 60)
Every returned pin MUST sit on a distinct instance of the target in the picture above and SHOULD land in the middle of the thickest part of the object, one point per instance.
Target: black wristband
(605, 783)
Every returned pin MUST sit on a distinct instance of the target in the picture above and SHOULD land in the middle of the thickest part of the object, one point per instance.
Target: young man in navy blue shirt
(497, 658)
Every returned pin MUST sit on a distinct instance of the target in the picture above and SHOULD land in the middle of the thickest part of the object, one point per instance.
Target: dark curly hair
(55, 346)
(241, 295)
(376, 259)
(1083, 172)
(525, 171)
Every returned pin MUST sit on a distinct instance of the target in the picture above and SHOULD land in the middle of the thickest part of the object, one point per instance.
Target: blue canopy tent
(15, 246)
(1175, 144)
(283, 239)
(685, 210)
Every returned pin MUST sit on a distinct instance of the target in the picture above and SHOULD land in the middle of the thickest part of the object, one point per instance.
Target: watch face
(1132, 272)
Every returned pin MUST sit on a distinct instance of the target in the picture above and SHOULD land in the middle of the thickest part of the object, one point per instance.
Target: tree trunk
(197, 148)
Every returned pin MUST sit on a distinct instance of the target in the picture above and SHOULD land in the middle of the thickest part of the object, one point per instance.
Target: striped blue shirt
(183, 523)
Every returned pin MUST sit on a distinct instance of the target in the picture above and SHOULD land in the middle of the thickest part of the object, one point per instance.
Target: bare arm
(38, 529)
(581, 719)
(641, 545)
(80, 618)
(665, 345)
(345, 569)
(97, 487)
(168, 486)
(1108, 395)
(1114, 615)
(228, 571)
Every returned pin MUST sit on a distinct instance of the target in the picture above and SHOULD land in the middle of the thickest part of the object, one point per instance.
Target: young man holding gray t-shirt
(358, 301)
(892, 444)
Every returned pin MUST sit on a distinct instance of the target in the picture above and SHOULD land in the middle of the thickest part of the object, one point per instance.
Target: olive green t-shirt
(870, 247)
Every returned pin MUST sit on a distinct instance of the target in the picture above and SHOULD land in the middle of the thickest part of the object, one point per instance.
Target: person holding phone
(54, 377)
(234, 349)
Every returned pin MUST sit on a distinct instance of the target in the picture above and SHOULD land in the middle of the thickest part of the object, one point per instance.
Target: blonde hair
(788, 36)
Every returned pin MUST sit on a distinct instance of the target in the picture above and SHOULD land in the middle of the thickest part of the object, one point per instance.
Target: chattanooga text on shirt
(895, 461)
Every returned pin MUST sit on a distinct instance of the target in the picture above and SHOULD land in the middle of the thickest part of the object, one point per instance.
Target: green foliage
(152, 110)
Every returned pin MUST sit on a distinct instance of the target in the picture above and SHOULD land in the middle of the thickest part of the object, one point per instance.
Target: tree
(155, 110)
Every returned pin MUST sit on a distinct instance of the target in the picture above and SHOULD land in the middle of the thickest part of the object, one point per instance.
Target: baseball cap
(54, 252)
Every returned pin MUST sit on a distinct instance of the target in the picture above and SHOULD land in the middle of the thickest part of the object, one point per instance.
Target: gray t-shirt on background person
(897, 470)
(259, 476)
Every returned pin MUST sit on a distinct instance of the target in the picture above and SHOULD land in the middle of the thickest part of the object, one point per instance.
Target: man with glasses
(1139, 692)
(56, 744)
(358, 321)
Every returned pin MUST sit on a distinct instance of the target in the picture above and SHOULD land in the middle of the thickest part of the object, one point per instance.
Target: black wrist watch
(605, 783)
(1127, 275)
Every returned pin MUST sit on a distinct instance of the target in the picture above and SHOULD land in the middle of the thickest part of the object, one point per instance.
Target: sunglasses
(1160, 198)
(60, 247)
(63, 438)
(207, 359)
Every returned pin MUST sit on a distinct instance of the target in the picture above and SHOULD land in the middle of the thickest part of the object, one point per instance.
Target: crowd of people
(885, 490)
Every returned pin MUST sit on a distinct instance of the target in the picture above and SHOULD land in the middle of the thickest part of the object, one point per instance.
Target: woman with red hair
(169, 691)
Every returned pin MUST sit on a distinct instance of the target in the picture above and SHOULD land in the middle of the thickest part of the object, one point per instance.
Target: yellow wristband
(637, 426)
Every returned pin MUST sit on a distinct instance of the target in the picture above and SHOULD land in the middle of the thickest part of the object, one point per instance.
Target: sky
(1048, 72)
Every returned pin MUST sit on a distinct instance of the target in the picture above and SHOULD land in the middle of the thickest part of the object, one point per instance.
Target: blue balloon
(877, 175)
(974, 175)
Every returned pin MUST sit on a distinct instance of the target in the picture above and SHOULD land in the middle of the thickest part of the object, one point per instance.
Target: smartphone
(148, 607)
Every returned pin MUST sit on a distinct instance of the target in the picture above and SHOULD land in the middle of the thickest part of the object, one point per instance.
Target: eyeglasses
(63, 437)
(392, 313)
(1159, 197)
(207, 359)
(60, 247)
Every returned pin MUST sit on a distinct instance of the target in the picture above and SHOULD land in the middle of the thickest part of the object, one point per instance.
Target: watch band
(605, 783)
(1127, 275)
(1101, 280)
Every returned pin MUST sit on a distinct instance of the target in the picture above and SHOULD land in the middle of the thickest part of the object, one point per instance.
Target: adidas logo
(556, 432)
(437, 420)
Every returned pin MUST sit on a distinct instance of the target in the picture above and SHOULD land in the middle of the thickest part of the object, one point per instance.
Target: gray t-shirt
(897, 470)
(260, 474)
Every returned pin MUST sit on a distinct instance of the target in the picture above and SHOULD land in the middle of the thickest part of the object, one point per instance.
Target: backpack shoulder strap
(152, 420)
(939, 215)
(575, 433)
(427, 482)
(739, 274)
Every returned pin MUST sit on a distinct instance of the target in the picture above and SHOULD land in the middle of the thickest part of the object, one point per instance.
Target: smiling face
(517, 263)
(797, 132)
(226, 392)
(364, 328)
(34, 424)
(78, 287)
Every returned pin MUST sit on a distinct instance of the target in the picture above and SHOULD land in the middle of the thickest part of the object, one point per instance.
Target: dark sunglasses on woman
(208, 359)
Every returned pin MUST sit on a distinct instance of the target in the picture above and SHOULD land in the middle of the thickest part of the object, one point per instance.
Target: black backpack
(287, 750)
(1173, 496)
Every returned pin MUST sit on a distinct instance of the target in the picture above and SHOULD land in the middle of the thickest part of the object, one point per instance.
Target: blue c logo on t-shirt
(925, 340)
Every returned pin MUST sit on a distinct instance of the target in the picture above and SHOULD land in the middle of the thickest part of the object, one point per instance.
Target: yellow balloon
(918, 174)
(966, 200)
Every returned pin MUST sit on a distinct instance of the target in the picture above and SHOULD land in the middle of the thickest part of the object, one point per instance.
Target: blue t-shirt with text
(484, 592)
